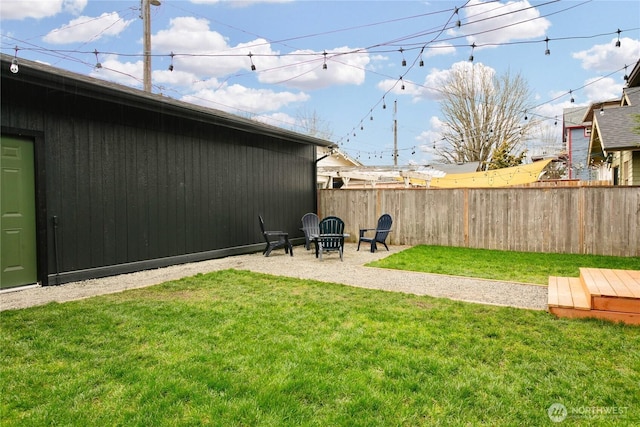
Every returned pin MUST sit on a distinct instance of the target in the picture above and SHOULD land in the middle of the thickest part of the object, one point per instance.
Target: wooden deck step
(600, 293)
(567, 292)
(613, 290)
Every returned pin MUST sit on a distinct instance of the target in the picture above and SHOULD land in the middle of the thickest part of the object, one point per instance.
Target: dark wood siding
(130, 186)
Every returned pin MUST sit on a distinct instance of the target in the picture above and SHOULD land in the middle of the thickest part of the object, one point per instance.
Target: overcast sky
(363, 43)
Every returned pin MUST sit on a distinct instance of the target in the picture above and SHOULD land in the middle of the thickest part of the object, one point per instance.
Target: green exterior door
(18, 264)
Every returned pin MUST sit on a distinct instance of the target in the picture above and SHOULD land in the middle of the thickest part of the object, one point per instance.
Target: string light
(402, 83)
(171, 65)
(547, 51)
(14, 63)
(98, 64)
(571, 94)
(404, 61)
(253, 67)
(473, 46)
(324, 65)
(618, 42)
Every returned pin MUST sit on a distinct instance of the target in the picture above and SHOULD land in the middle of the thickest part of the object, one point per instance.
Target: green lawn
(234, 348)
(526, 267)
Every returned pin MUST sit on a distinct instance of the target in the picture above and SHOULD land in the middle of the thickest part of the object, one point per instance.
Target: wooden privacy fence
(580, 220)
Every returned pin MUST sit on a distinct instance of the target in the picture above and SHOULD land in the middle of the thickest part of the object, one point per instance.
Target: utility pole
(146, 21)
(395, 133)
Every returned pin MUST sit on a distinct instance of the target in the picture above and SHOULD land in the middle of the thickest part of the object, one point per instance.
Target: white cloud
(434, 82)
(37, 9)
(303, 69)
(432, 135)
(125, 73)
(496, 23)
(86, 28)
(555, 111)
(188, 34)
(182, 79)
(300, 69)
(282, 120)
(602, 89)
(212, 55)
(236, 98)
(439, 49)
(607, 57)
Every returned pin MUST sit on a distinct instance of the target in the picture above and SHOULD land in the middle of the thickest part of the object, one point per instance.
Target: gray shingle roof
(615, 126)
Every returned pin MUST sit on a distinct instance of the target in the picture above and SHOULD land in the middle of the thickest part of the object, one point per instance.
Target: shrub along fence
(580, 220)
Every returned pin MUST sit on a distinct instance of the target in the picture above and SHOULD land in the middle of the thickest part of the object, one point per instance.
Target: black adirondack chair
(331, 237)
(381, 232)
(310, 227)
(275, 240)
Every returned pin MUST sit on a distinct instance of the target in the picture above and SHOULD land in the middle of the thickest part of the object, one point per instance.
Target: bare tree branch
(483, 116)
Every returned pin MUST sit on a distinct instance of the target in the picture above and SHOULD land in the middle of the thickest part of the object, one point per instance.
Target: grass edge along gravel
(510, 266)
(239, 348)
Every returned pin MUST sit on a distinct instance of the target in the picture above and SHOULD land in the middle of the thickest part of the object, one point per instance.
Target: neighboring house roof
(59, 79)
(332, 156)
(574, 116)
(634, 77)
(614, 128)
(600, 109)
(631, 96)
(392, 176)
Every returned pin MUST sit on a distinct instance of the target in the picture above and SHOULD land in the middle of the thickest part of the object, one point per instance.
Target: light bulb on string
(14, 63)
(547, 51)
(253, 67)
(571, 94)
(324, 64)
(473, 46)
(404, 61)
(171, 65)
(618, 41)
(98, 64)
